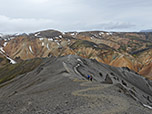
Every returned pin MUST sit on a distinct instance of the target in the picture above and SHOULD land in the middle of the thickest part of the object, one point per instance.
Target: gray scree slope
(60, 85)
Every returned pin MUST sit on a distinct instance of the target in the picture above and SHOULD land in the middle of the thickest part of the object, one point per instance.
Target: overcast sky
(75, 15)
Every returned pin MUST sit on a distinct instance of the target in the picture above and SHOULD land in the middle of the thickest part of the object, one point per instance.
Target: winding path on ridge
(117, 104)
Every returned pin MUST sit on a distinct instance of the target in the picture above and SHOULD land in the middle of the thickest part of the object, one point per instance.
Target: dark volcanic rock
(60, 85)
(48, 33)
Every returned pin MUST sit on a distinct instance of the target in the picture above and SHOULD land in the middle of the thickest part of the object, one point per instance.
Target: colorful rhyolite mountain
(120, 49)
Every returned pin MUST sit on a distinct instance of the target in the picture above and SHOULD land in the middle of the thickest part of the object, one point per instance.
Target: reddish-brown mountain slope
(132, 50)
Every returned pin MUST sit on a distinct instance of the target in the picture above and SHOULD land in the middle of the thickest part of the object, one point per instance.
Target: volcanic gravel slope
(60, 86)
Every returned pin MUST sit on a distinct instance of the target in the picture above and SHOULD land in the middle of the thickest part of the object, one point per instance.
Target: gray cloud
(66, 15)
(12, 25)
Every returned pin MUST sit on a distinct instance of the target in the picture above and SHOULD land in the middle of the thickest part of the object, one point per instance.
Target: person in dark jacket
(88, 77)
(91, 78)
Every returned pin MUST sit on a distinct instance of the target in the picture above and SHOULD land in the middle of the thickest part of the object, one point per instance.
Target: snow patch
(50, 39)
(95, 45)
(95, 35)
(58, 43)
(1, 48)
(77, 65)
(147, 106)
(101, 33)
(48, 46)
(42, 43)
(69, 41)
(11, 60)
(5, 43)
(37, 34)
(109, 33)
(72, 34)
(79, 60)
(60, 36)
(17, 34)
(41, 39)
(30, 48)
(12, 38)
(91, 38)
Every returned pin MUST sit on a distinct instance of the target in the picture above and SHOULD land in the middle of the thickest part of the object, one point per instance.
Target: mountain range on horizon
(47, 72)
(147, 30)
(120, 49)
(27, 33)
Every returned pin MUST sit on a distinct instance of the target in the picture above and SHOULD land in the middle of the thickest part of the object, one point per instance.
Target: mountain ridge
(60, 85)
(132, 50)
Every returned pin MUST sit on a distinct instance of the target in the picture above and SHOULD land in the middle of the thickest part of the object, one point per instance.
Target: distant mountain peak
(147, 30)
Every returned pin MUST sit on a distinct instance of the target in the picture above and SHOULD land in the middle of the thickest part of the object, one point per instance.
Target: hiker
(91, 78)
(88, 77)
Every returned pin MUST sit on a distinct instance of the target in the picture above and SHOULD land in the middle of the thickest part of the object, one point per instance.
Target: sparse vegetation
(10, 71)
(82, 43)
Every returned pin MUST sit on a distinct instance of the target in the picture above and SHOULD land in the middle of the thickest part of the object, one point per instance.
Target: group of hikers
(90, 77)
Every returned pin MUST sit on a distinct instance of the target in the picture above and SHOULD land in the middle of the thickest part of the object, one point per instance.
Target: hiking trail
(117, 104)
